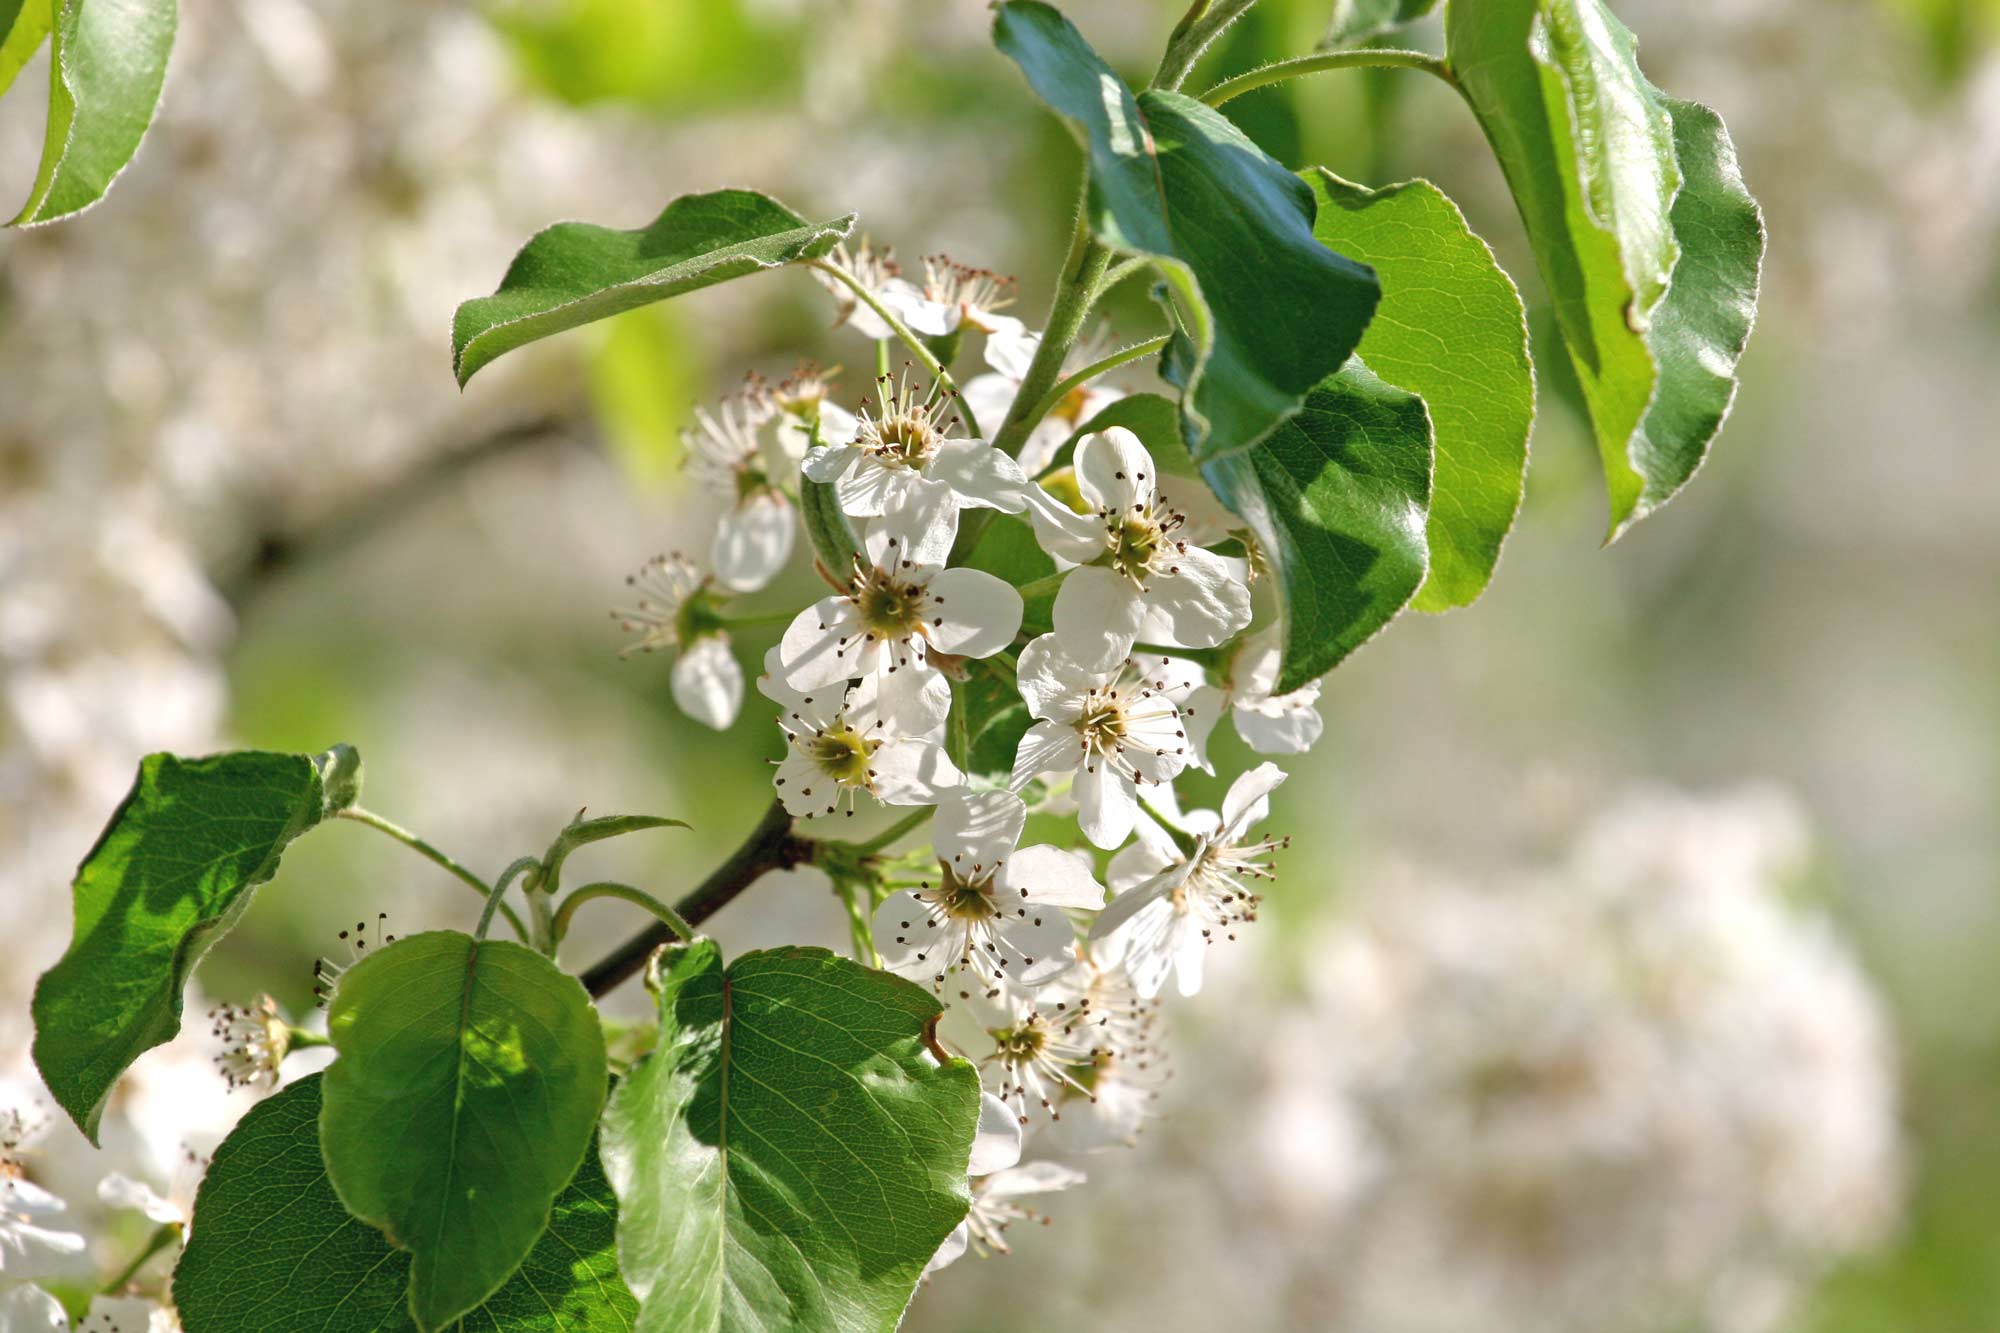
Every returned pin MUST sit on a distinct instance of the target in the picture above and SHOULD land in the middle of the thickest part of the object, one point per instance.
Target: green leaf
(1270, 310)
(169, 875)
(1355, 21)
(1592, 153)
(108, 63)
(23, 25)
(272, 1247)
(1337, 500)
(573, 273)
(470, 1075)
(790, 1156)
(1450, 329)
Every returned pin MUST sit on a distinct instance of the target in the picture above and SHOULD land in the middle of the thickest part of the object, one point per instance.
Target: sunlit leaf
(790, 1156)
(24, 25)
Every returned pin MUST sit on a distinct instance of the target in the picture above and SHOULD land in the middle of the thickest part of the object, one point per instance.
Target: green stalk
(925, 357)
(412, 841)
(1363, 58)
(1066, 387)
(637, 897)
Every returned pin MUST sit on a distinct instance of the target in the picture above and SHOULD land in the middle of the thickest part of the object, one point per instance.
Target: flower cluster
(924, 679)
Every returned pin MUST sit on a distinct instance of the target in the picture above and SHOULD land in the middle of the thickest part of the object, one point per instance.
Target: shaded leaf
(470, 1076)
(1270, 311)
(1355, 21)
(169, 875)
(573, 273)
(1450, 329)
(272, 1247)
(1337, 501)
(108, 63)
(790, 1156)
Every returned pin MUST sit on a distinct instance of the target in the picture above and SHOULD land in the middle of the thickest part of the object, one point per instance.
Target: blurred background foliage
(241, 502)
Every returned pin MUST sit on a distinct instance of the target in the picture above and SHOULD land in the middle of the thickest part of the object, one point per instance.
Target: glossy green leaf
(271, 1246)
(1590, 150)
(790, 1156)
(470, 1076)
(24, 24)
(1450, 329)
(573, 273)
(108, 62)
(169, 875)
(1269, 309)
(1337, 500)
(1356, 21)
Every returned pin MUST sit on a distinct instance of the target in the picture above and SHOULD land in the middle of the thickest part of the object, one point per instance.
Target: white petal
(1048, 677)
(869, 489)
(1190, 956)
(1114, 471)
(1129, 904)
(1048, 747)
(1199, 714)
(804, 790)
(922, 523)
(1204, 601)
(1010, 351)
(953, 1248)
(909, 944)
(914, 702)
(1141, 859)
(912, 772)
(707, 682)
(1096, 616)
(837, 425)
(121, 1191)
(980, 475)
(1050, 876)
(1207, 519)
(978, 828)
(989, 398)
(1037, 943)
(1279, 726)
(822, 645)
(981, 613)
(932, 319)
(996, 1143)
(753, 541)
(29, 1309)
(831, 464)
(1248, 799)
(1064, 533)
(1105, 805)
(1042, 1177)
(772, 684)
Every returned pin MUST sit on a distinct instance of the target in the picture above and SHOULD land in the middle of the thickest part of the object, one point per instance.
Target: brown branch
(772, 845)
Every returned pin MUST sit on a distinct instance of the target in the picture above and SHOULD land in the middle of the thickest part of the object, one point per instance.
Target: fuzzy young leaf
(1337, 500)
(23, 26)
(470, 1076)
(1355, 21)
(108, 63)
(1590, 149)
(790, 1156)
(1450, 329)
(169, 875)
(574, 273)
(1270, 310)
(272, 1247)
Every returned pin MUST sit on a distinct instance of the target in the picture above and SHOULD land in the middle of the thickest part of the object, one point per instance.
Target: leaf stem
(925, 357)
(418, 845)
(760, 619)
(1065, 387)
(1046, 583)
(772, 845)
(167, 1234)
(609, 889)
(1360, 58)
(1202, 24)
(906, 824)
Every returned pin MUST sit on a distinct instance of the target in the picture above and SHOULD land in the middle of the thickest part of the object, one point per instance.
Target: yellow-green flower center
(843, 754)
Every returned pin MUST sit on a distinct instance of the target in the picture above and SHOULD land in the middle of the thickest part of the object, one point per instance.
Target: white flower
(1042, 1055)
(1136, 562)
(996, 1145)
(906, 448)
(29, 1309)
(1130, 1068)
(1167, 919)
(957, 295)
(842, 746)
(31, 1243)
(128, 1314)
(994, 1207)
(901, 608)
(725, 453)
(803, 400)
(255, 1040)
(676, 610)
(354, 945)
(1268, 723)
(995, 911)
(878, 272)
(1113, 728)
